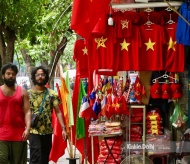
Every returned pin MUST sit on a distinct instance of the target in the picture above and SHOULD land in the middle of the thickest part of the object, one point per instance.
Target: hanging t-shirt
(127, 51)
(123, 23)
(81, 57)
(101, 46)
(183, 29)
(153, 16)
(173, 52)
(168, 15)
(150, 53)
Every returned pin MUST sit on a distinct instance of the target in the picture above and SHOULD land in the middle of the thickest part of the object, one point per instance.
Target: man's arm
(27, 112)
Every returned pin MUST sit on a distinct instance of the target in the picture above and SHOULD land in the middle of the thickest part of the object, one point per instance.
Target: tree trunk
(54, 60)
(28, 62)
(7, 43)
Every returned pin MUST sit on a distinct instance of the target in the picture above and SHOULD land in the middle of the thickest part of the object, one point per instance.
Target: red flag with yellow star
(139, 89)
(81, 57)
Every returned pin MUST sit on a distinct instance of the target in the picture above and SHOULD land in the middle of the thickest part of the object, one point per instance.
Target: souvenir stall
(136, 66)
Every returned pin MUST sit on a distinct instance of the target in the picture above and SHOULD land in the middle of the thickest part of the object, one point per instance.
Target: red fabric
(95, 80)
(169, 15)
(85, 15)
(151, 55)
(156, 90)
(166, 91)
(153, 16)
(176, 90)
(12, 122)
(101, 47)
(123, 60)
(121, 105)
(123, 23)
(58, 146)
(106, 72)
(173, 52)
(81, 57)
(110, 106)
(139, 89)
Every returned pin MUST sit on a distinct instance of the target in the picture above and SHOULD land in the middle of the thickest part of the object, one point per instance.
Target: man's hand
(64, 134)
(26, 134)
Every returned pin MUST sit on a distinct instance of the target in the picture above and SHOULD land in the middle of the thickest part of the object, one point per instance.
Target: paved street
(63, 160)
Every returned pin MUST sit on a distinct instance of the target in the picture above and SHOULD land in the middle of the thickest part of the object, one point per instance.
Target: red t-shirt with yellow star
(81, 57)
(127, 51)
(173, 52)
(123, 23)
(151, 51)
(101, 48)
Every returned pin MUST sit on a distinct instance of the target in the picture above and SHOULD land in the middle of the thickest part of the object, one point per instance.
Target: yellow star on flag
(138, 84)
(85, 51)
(171, 44)
(100, 42)
(124, 23)
(150, 45)
(124, 45)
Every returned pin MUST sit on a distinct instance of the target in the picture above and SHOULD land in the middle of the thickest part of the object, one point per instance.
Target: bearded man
(15, 118)
(42, 103)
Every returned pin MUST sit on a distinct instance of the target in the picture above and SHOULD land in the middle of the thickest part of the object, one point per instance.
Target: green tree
(37, 29)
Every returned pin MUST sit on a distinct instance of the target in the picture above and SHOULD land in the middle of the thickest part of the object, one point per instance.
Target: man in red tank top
(15, 118)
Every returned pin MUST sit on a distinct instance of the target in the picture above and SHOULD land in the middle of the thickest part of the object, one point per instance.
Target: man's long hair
(46, 72)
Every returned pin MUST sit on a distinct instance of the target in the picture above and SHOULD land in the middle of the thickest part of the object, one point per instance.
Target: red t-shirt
(101, 48)
(12, 122)
(153, 16)
(169, 15)
(123, 23)
(127, 51)
(151, 51)
(81, 57)
(173, 52)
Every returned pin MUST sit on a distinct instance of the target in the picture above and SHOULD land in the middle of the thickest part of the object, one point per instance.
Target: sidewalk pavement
(63, 159)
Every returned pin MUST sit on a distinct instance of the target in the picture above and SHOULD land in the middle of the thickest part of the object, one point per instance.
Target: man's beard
(42, 83)
(9, 82)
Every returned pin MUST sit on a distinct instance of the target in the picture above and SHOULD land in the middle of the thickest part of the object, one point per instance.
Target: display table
(106, 137)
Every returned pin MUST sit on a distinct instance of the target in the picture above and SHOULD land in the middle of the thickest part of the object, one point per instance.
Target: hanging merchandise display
(132, 61)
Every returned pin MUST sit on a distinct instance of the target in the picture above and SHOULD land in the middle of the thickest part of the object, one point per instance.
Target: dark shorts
(13, 152)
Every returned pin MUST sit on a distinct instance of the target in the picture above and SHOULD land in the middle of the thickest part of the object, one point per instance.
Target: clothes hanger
(165, 76)
(148, 10)
(177, 12)
(168, 9)
(148, 23)
(170, 20)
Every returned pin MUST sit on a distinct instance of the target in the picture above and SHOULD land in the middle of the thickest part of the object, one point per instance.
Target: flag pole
(85, 147)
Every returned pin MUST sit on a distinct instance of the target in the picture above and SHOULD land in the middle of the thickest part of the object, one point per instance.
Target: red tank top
(12, 122)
